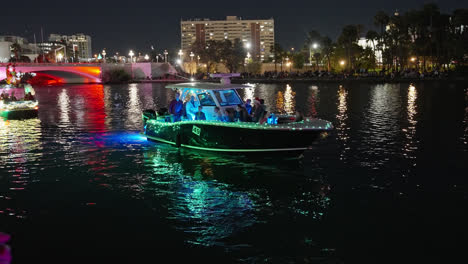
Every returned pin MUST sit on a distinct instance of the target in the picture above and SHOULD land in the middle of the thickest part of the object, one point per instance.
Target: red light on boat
(36, 107)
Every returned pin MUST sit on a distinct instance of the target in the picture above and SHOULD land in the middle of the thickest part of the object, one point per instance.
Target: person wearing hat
(5, 252)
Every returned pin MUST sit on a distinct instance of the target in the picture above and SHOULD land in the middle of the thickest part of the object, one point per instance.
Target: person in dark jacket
(200, 115)
(241, 114)
(176, 108)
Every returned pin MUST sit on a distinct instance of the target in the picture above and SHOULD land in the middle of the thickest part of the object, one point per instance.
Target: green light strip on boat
(243, 150)
(225, 150)
(242, 125)
(160, 139)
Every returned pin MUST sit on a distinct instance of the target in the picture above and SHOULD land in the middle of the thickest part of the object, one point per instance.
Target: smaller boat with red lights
(278, 134)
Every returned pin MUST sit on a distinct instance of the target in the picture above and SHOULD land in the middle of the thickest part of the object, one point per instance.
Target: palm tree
(327, 50)
(16, 48)
(381, 19)
(347, 39)
(372, 36)
(278, 53)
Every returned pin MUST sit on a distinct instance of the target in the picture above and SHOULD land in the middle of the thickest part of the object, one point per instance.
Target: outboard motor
(147, 115)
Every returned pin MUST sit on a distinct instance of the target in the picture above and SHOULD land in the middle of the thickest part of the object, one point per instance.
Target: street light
(198, 59)
(313, 46)
(179, 61)
(60, 56)
(247, 45)
(131, 55)
(146, 57)
(165, 56)
(104, 54)
(191, 56)
(180, 54)
(342, 62)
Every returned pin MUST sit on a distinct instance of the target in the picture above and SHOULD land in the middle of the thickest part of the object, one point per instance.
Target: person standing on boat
(200, 115)
(191, 108)
(248, 106)
(219, 115)
(258, 111)
(176, 108)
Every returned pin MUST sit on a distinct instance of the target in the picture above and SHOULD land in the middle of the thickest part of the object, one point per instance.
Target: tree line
(423, 39)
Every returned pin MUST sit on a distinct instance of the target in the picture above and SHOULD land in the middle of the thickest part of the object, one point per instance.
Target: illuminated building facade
(79, 43)
(27, 49)
(258, 36)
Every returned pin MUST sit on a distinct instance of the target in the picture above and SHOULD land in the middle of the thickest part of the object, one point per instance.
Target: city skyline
(118, 27)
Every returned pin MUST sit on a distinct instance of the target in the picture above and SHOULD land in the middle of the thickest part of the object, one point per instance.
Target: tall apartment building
(80, 43)
(257, 35)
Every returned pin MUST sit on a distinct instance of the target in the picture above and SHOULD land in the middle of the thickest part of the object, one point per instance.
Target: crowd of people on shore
(361, 74)
(356, 74)
(12, 98)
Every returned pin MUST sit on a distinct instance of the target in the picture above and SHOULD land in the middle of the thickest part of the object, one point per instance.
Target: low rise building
(79, 44)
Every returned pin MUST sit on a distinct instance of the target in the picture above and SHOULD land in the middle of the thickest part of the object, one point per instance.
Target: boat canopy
(206, 86)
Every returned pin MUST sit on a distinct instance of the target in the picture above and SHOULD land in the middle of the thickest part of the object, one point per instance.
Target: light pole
(146, 57)
(74, 45)
(165, 56)
(342, 64)
(313, 46)
(104, 55)
(180, 55)
(198, 59)
(157, 58)
(131, 55)
(60, 56)
(191, 56)
(413, 60)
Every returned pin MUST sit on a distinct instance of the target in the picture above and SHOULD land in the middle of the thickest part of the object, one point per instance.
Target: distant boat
(213, 135)
(14, 105)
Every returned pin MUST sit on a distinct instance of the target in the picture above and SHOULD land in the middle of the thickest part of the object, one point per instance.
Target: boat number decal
(196, 130)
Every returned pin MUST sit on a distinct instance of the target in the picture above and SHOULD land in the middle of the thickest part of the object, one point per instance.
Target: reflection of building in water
(63, 102)
(133, 119)
(147, 93)
(267, 93)
(280, 102)
(20, 147)
(381, 125)
(342, 117)
(249, 93)
(289, 100)
(411, 144)
(313, 101)
(82, 105)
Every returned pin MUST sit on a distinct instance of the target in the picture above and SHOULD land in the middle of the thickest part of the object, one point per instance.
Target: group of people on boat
(191, 110)
(12, 98)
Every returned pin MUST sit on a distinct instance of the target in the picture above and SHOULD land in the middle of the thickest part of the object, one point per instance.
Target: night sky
(123, 25)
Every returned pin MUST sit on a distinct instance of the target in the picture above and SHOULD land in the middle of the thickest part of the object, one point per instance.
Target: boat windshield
(206, 99)
(227, 97)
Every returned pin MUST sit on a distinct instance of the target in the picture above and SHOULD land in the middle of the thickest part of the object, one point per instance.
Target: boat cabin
(209, 95)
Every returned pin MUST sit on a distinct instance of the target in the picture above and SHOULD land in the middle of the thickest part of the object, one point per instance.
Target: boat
(278, 134)
(18, 108)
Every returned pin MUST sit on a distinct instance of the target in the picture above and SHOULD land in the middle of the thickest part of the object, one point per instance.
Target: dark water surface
(390, 184)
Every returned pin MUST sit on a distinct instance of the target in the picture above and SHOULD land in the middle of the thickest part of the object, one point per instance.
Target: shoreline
(307, 80)
(362, 80)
